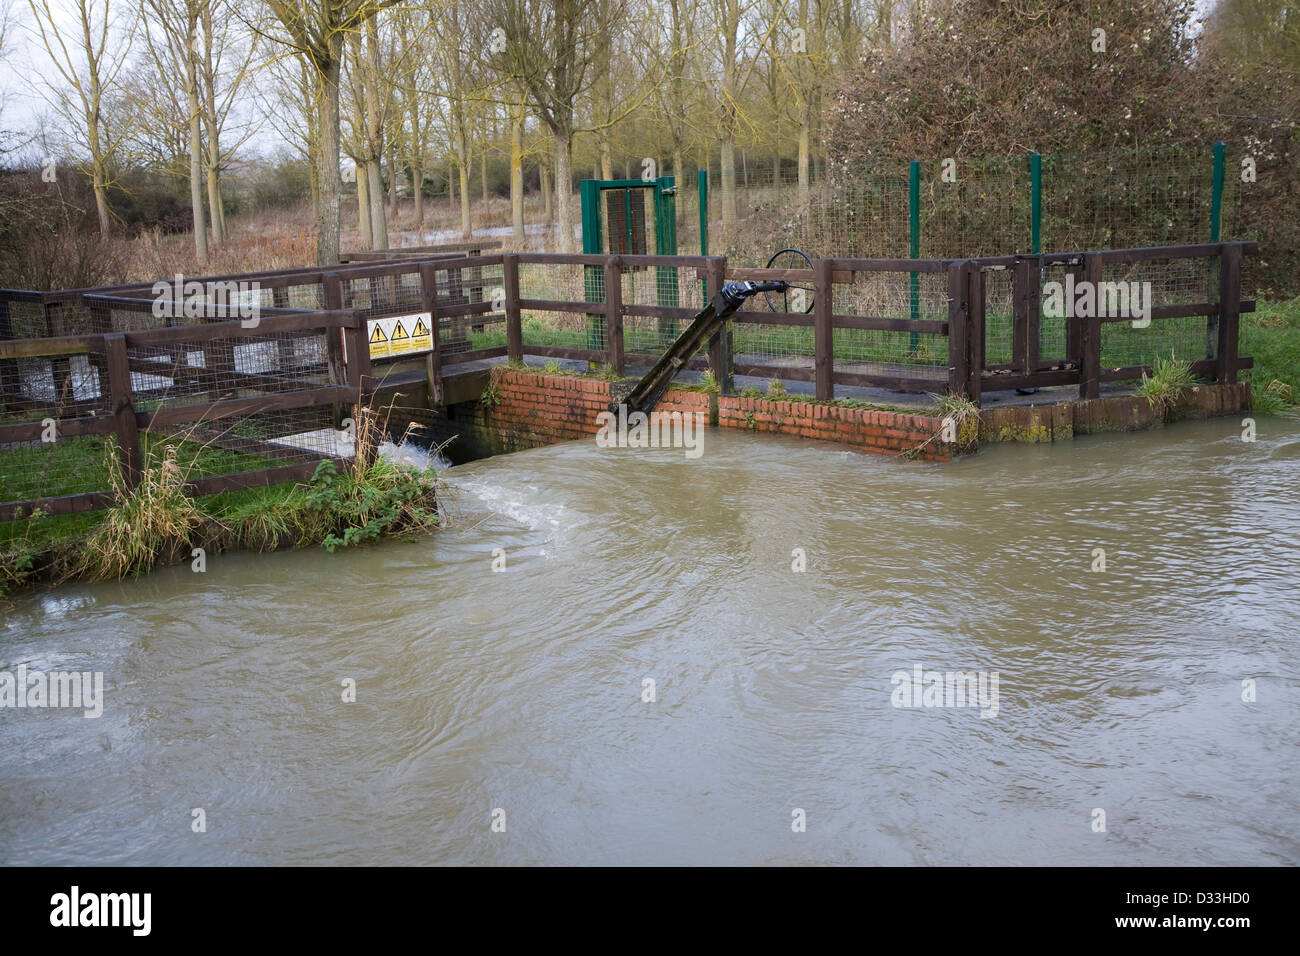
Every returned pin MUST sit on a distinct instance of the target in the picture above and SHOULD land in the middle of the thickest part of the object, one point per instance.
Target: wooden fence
(964, 326)
(180, 383)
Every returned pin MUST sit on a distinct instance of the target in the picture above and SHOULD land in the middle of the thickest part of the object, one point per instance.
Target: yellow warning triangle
(378, 335)
(420, 328)
(399, 332)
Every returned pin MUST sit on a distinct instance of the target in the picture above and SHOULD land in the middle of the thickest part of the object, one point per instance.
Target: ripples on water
(522, 689)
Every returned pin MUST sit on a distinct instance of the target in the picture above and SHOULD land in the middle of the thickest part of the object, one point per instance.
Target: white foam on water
(522, 504)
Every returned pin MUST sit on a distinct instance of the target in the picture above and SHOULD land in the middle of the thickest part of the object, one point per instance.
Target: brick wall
(538, 409)
(888, 432)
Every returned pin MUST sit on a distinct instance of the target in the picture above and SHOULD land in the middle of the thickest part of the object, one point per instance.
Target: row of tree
(403, 87)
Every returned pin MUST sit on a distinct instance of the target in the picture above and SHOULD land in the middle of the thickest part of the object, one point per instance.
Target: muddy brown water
(520, 691)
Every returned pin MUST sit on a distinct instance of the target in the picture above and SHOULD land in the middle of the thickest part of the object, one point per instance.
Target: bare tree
(89, 60)
(315, 30)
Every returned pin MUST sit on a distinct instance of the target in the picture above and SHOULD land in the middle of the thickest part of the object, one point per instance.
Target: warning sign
(421, 338)
(378, 341)
(400, 340)
(401, 335)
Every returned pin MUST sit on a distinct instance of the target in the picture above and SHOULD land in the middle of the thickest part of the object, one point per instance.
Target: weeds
(149, 521)
(1167, 382)
(1277, 399)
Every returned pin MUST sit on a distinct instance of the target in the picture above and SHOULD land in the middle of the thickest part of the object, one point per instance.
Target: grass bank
(157, 523)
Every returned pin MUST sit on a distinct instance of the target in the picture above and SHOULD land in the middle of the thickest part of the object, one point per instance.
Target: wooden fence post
(125, 427)
(958, 327)
(975, 332)
(333, 292)
(514, 319)
(823, 333)
(11, 388)
(614, 313)
(1090, 331)
(720, 344)
(1072, 321)
(1229, 313)
(429, 303)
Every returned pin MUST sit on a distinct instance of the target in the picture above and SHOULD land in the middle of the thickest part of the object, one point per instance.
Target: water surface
(522, 689)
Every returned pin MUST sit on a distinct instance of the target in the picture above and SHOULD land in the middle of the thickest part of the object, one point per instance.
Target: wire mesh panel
(886, 353)
(27, 319)
(562, 282)
(461, 286)
(771, 344)
(46, 391)
(202, 370)
(271, 439)
(974, 207)
(66, 466)
(660, 287)
(1054, 337)
(999, 319)
(1126, 199)
(1132, 289)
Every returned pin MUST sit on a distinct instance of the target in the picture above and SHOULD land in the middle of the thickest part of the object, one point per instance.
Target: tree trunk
(728, 185)
(564, 189)
(378, 220)
(218, 213)
(466, 229)
(365, 223)
(417, 184)
(196, 166)
(327, 210)
(681, 184)
(517, 174)
(374, 136)
(548, 197)
(804, 155)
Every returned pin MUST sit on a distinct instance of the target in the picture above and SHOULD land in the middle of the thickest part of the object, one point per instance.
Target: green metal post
(1216, 197)
(914, 227)
(1216, 210)
(665, 204)
(593, 277)
(1035, 203)
(704, 211)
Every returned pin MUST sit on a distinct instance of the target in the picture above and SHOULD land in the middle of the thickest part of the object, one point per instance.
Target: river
(521, 698)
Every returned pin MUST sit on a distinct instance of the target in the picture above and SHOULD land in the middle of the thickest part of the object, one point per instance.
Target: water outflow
(617, 650)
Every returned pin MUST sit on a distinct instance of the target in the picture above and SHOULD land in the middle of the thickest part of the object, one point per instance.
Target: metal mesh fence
(659, 286)
(67, 465)
(976, 206)
(562, 283)
(899, 354)
(201, 371)
(1150, 284)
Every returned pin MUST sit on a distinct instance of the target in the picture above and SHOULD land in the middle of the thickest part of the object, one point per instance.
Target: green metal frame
(593, 244)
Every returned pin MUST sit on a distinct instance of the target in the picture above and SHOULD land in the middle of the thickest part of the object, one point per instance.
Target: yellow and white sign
(401, 335)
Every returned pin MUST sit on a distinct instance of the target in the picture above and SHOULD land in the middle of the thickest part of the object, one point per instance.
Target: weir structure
(92, 371)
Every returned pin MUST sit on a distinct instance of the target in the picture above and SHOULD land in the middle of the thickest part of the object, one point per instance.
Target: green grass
(1271, 336)
(370, 499)
(1168, 380)
(84, 463)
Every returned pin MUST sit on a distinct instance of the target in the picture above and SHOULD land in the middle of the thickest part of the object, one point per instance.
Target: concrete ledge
(1061, 421)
